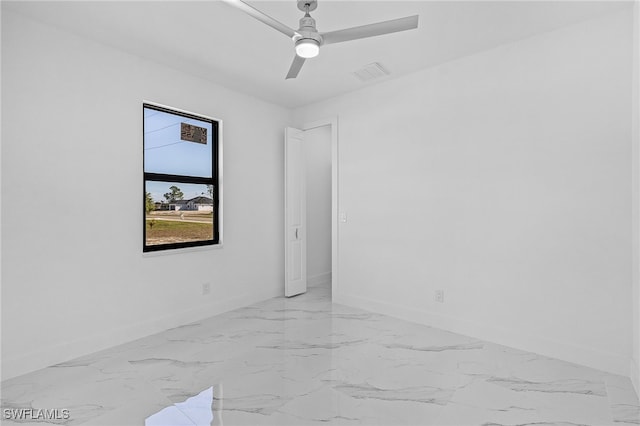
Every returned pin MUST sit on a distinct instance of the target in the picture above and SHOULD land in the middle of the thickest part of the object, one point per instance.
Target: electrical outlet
(438, 296)
(206, 289)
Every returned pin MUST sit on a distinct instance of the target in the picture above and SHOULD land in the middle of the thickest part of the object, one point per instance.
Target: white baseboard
(319, 279)
(504, 336)
(47, 356)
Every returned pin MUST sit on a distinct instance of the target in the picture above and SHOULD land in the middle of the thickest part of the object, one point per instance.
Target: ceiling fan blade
(296, 65)
(371, 30)
(273, 23)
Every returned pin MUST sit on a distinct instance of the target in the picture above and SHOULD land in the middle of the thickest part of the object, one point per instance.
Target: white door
(295, 214)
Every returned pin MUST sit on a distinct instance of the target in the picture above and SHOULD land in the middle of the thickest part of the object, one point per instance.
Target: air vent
(370, 72)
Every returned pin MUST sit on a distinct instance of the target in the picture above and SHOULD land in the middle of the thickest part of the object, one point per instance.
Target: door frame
(333, 122)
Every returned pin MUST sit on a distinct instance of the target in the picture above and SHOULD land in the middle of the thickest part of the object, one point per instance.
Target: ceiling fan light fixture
(307, 48)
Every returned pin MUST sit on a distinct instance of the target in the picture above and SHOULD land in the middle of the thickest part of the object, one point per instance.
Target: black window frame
(159, 177)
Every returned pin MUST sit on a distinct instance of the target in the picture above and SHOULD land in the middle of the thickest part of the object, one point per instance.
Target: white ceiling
(215, 41)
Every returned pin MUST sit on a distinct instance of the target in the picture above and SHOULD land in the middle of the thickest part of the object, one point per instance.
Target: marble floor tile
(307, 361)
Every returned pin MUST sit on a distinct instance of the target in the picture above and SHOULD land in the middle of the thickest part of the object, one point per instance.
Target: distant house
(161, 205)
(200, 203)
(178, 205)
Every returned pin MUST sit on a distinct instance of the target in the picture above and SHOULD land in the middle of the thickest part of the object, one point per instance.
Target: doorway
(311, 207)
(317, 157)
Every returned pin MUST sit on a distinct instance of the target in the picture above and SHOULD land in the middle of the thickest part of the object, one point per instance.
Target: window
(181, 192)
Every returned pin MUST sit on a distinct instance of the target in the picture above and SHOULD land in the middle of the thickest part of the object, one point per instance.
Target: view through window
(180, 179)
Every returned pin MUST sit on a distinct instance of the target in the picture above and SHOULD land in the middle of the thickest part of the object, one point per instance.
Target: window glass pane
(177, 145)
(178, 212)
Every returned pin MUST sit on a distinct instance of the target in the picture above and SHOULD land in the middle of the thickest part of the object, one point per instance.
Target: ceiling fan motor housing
(307, 30)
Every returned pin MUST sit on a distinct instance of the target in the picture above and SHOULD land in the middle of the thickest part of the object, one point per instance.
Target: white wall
(74, 279)
(502, 178)
(317, 151)
(635, 369)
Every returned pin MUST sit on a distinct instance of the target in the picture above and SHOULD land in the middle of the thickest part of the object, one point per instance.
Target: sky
(165, 152)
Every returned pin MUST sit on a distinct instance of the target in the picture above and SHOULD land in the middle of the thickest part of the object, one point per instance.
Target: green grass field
(173, 231)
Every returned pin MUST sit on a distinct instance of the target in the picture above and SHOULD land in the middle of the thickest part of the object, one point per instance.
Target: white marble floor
(306, 361)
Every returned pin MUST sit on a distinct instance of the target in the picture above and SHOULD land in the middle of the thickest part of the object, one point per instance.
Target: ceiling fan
(308, 39)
